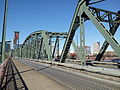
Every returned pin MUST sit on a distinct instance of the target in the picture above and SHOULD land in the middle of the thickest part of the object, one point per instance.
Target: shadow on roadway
(34, 69)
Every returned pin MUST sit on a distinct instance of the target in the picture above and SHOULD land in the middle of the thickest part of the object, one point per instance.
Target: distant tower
(16, 39)
(87, 50)
(96, 47)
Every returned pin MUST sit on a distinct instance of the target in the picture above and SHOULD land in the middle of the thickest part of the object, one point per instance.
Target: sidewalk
(37, 81)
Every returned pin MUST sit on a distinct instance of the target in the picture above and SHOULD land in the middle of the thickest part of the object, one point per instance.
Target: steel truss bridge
(38, 44)
(45, 45)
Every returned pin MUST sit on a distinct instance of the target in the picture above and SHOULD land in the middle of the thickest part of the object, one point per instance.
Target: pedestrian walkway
(37, 81)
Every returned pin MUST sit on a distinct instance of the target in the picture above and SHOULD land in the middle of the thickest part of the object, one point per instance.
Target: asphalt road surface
(75, 81)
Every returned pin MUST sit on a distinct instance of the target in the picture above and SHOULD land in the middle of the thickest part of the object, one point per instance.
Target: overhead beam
(106, 34)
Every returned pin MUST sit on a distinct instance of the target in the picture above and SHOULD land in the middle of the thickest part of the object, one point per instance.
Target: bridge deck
(36, 80)
(76, 81)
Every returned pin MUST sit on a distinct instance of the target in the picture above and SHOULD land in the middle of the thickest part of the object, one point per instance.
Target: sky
(27, 16)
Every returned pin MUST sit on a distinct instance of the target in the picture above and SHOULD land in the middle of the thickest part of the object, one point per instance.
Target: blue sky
(27, 16)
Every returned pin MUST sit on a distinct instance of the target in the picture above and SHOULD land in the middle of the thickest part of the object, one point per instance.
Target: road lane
(72, 80)
(36, 80)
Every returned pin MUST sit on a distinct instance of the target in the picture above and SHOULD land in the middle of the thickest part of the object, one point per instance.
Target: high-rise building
(7, 46)
(87, 50)
(7, 49)
(96, 47)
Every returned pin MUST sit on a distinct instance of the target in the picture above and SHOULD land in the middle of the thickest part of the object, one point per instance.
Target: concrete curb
(99, 70)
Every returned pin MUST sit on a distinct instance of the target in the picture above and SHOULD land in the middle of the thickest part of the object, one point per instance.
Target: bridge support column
(82, 42)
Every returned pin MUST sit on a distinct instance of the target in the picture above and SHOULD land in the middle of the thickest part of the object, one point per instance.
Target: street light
(4, 32)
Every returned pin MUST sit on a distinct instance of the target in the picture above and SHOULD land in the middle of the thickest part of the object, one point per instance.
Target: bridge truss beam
(83, 11)
(38, 45)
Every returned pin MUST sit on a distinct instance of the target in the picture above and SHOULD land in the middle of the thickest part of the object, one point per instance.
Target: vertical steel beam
(73, 27)
(26, 48)
(24, 51)
(33, 44)
(31, 56)
(34, 47)
(40, 48)
(82, 41)
(37, 48)
(20, 52)
(77, 39)
(50, 43)
(76, 49)
(4, 32)
(47, 47)
(53, 54)
(58, 48)
(29, 48)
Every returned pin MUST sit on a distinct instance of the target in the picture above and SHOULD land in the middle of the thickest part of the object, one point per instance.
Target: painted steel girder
(47, 47)
(33, 44)
(76, 49)
(103, 15)
(31, 51)
(94, 1)
(94, 11)
(29, 48)
(36, 46)
(106, 34)
(73, 27)
(106, 44)
(53, 34)
(82, 41)
(54, 47)
(113, 29)
(40, 48)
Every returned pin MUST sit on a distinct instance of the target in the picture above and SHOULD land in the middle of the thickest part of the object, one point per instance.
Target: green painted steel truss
(38, 45)
(83, 13)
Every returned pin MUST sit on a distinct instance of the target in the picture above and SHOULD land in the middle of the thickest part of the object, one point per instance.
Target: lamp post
(4, 32)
